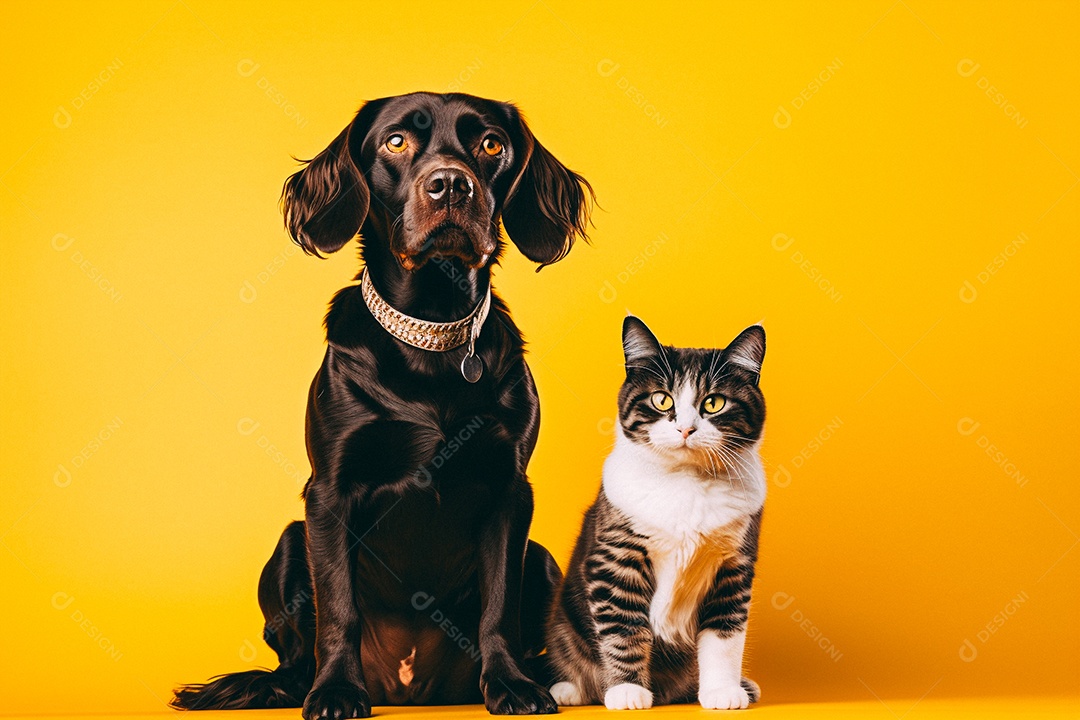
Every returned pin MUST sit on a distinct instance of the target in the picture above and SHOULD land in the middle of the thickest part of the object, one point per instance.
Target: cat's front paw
(627, 696)
(733, 697)
(567, 693)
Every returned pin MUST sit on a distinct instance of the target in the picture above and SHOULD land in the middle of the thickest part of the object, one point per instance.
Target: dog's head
(432, 175)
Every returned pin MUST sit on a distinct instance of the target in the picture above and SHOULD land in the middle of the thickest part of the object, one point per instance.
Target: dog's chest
(434, 493)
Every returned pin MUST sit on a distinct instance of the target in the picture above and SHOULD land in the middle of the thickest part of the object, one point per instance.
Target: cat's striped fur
(654, 605)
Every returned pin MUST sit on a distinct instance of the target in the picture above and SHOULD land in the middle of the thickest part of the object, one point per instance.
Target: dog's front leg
(507, 690)
(339, 690)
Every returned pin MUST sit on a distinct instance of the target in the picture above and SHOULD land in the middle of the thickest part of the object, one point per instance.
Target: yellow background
(896, 182)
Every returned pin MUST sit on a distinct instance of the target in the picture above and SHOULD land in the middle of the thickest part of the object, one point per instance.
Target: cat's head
(692, 404)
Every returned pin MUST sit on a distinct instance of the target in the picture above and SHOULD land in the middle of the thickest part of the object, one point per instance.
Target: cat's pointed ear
(748, 350)
(638, 341)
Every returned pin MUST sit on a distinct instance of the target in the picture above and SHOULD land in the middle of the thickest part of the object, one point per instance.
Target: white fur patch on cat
(729, 698)
(720, 671)
(567, 693)
(627, 696)
(686, 519)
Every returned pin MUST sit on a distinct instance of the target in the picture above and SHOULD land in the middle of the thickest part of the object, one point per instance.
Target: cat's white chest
(690, 526)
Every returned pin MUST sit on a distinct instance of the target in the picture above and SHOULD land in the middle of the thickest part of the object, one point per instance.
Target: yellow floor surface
(952, 709)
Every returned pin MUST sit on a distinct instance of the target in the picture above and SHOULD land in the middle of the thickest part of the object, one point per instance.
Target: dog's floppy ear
(547, 207)
(326, 202)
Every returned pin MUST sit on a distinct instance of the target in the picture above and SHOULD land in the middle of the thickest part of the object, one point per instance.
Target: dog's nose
(449, 184)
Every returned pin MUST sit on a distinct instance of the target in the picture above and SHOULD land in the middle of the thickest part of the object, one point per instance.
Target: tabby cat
(653, 609)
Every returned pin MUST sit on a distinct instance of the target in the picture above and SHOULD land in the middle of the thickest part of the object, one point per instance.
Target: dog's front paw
(516, 696)
(733, 697)
(337, 701)
(627, 696)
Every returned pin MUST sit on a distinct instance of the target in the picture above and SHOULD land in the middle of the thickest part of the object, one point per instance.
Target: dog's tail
(285, 687)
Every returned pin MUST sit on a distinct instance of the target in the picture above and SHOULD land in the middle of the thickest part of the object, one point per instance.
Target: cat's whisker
(663, 356)
(723, 459)
(719, 372)
(748, 470)
(732, 460)
(714, 465)
(716, 461)
(738, 442)
(734, 453)
(712, 365)
(650, 369)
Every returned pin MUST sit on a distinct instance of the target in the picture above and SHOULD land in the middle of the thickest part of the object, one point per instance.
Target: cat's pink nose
(687, 432)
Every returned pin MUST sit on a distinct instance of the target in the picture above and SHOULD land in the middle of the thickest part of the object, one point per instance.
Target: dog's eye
(713, 404)
(492, 146)
(396, 144)
(661, 401)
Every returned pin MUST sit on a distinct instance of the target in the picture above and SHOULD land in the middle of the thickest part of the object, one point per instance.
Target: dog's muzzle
(448, 217)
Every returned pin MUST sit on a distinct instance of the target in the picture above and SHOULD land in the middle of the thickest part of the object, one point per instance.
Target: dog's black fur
(413, 580)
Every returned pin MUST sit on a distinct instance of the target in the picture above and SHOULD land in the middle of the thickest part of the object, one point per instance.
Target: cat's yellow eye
(713, 404)
(397, 143)
(492, 146)
(661, 401)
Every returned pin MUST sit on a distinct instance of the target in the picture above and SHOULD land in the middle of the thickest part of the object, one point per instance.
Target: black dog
(413, 580)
